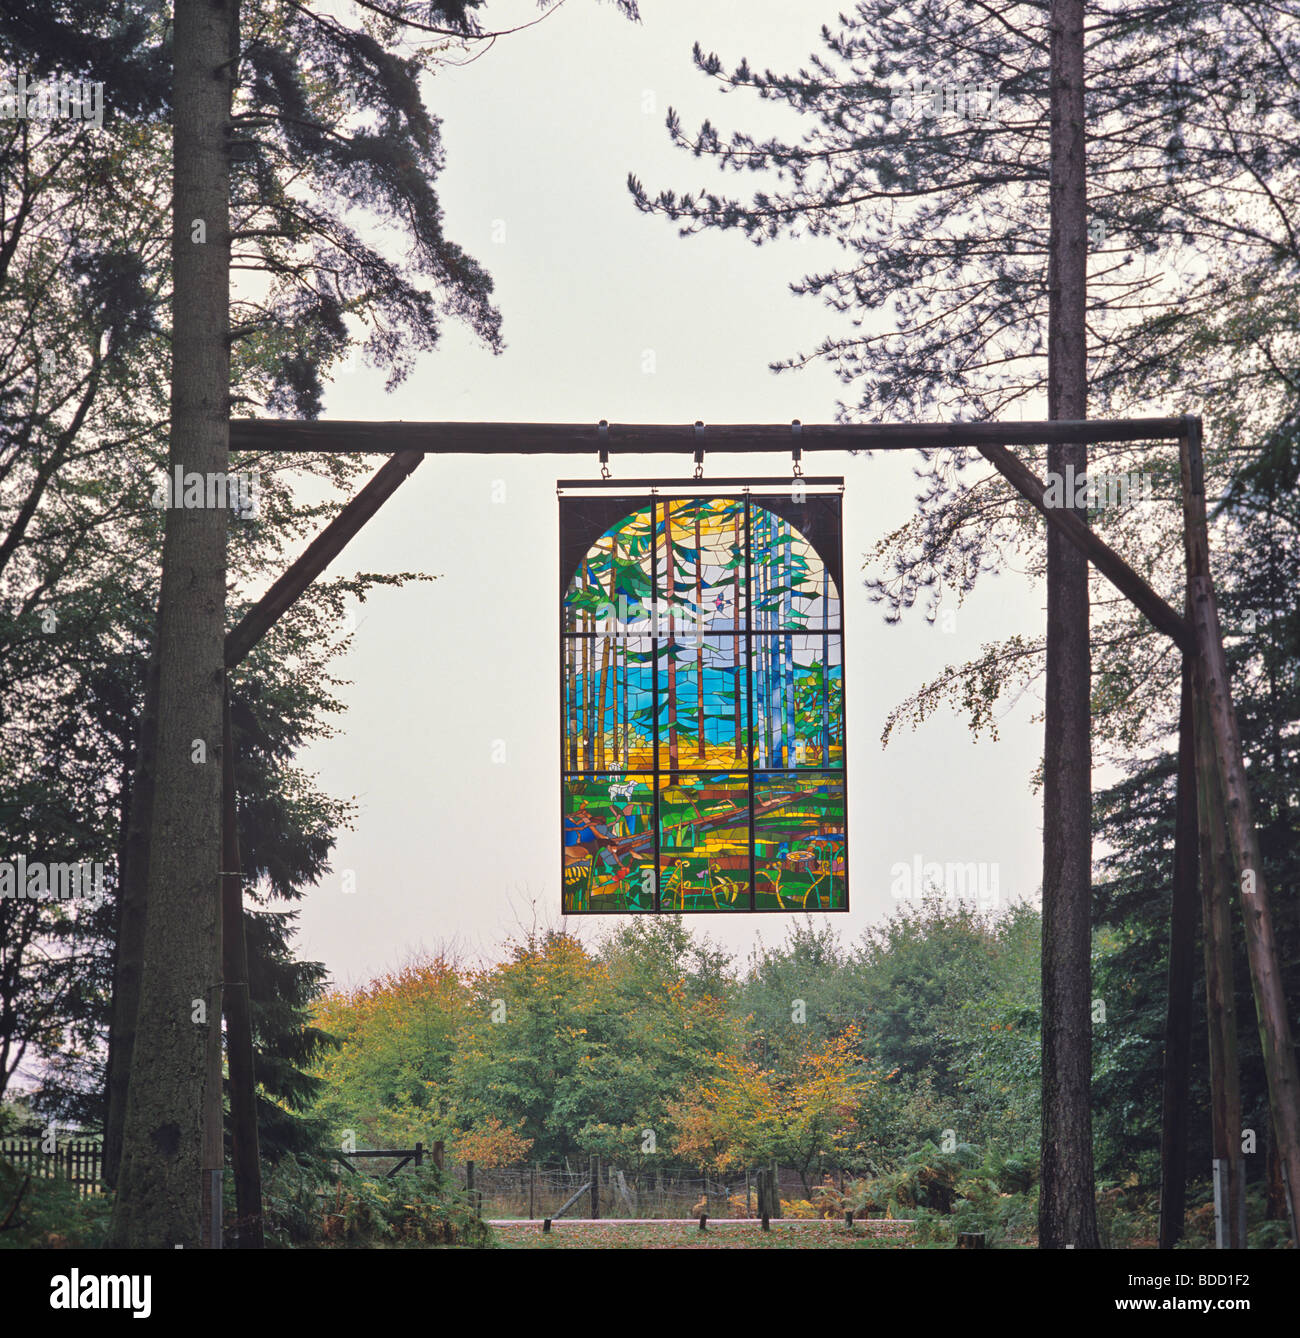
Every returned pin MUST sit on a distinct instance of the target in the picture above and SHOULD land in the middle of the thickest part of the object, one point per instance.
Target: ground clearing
(685, 1234)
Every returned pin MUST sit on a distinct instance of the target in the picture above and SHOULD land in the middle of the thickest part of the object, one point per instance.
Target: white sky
(540, 134)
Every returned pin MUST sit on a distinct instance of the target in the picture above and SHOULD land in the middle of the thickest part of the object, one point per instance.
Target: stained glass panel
(704, 843)
(702, 703)
(799, 842)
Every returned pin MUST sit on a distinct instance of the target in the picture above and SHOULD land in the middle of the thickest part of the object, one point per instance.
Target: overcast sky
(540, 135)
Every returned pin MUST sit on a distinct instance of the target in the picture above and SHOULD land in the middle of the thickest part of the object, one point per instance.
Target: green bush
(949, 1192)
(307, 1207)
(51, 1215)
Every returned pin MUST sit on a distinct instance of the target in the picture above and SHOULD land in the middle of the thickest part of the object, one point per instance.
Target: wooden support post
(532, 1185)
(1220, 993)
(213, 1150)
(419, 1155)
(439, 1154)
(595, 1187)
(1183, 908)
(245, 1154)
(1275, 1039)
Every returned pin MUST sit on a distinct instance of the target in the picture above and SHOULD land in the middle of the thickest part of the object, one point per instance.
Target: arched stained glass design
(702, 703)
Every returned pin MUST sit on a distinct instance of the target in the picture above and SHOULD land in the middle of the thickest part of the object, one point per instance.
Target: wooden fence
(80, 1161)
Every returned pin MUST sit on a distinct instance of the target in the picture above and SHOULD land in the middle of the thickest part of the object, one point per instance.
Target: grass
(681, 1236)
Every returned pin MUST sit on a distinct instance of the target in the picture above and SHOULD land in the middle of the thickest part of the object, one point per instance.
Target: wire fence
(538, 1191)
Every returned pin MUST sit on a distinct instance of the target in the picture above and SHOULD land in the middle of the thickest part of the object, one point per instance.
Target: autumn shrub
(1123, 1214)
(798, 1208)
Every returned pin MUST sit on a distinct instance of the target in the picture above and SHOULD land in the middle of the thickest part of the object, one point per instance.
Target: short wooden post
(704, 1217)
(546, 1225)
(848, 1218)
(970, 1240)
(440, 1154)
(1183, 914)
(1220, 994)
(419, 1154)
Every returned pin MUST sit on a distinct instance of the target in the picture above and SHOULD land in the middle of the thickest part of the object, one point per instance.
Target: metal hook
(699, 450)
(603, 429)
(796, 452)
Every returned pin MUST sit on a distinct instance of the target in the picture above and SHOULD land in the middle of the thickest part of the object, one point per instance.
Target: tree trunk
(1067, 1211)
(159, 1199)
(588, 751)
(699, 635)
(603, 754)
(132, 895)
(826, 666)
(670, 577)
(787, 658)
(735, 640)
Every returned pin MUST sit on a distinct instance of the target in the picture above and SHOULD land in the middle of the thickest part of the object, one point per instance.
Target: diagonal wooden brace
(1107, 561)
(322, 550)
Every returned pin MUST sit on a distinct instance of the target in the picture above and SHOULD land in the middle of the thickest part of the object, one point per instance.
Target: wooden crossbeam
(359, 437)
